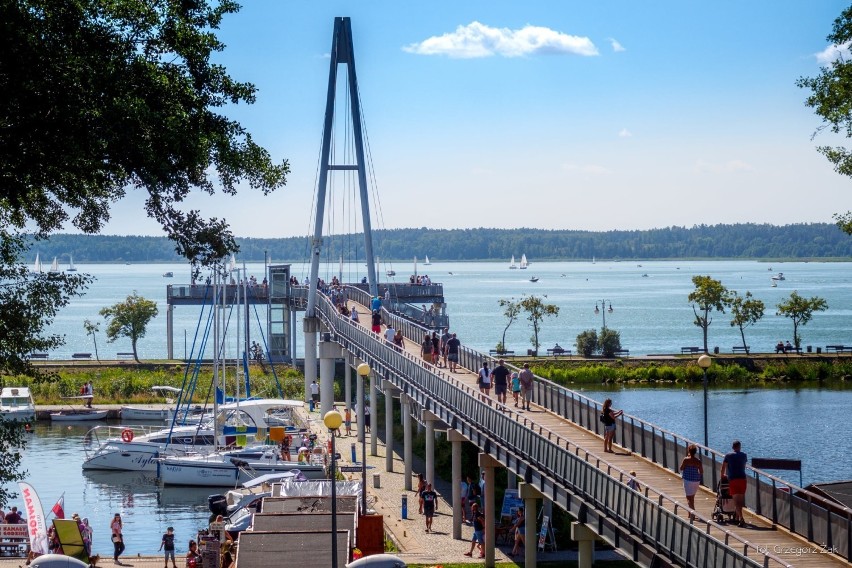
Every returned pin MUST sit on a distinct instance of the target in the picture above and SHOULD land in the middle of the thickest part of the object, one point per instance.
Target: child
(632, 483)
(193, 558)
(516, 387)
(168, 546)
(347, 419)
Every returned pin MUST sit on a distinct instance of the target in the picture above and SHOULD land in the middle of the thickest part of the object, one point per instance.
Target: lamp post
(332, 420)
(363, 371)
(704, 362)
(603, 310)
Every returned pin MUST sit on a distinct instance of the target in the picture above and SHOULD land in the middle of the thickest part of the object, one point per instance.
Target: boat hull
(153, 414)
(210, 473)
(78, 416)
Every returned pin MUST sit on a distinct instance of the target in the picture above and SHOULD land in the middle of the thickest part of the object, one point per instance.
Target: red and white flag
(59, 509)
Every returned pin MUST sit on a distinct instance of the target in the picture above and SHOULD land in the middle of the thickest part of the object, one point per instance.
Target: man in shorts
(734, 466)
(444, 338)
(430, 505)
(453, 345)
(500, 380)
(526, 379)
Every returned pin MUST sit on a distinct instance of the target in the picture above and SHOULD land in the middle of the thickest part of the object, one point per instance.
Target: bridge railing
(582, 473)
(785, 504)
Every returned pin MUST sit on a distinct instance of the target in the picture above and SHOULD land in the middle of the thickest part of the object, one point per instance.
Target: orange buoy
(127, 435)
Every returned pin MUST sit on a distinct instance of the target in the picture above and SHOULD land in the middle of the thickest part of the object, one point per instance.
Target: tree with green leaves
(745, 311)
(92, 328)
(830, 100)
(129, 319)
(800, 310)
(609, 341)
(587, 343)
(511, 310)
(100, 99)
(709, 295)
(536, 310)
(12, 442)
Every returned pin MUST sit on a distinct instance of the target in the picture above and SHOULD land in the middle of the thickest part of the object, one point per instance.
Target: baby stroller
(724, 502)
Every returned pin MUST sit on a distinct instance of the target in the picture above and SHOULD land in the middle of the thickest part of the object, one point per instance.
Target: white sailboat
(54, 266)
(71, 267)
(427, 263)
(524, 262)
(512, 265)
(37, 265)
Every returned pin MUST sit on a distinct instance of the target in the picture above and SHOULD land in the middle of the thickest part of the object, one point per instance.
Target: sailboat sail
(512, 264)
(71, 267)
(427, 263)
(524, 262)
(54, 266)
(37, 265)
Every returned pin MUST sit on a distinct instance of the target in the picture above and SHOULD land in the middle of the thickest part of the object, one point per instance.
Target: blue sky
(557, 115)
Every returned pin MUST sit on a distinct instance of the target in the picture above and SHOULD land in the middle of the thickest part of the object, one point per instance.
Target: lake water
(651, 312)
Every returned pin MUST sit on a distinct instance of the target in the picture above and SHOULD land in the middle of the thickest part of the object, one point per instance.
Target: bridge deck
(654, 480)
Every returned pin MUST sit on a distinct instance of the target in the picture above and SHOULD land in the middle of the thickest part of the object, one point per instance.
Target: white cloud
(833, 52)
(616, 47)
(729, 167)
(624, 133)
(479, 40)
(586, 169)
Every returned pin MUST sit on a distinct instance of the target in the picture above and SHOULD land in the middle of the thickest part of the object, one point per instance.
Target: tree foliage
(536, 310)
(800, 310)
(587, 343)
(92, 328)
(12, 442)
(511, 311)
(709, 296)
(830, 100)
(609, 341)
(745, 311)
(129, 319)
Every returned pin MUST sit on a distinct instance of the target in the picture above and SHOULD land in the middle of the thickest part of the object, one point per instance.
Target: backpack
(603, 417)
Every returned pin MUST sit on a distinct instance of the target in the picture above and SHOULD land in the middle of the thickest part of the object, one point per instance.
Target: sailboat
(512, 264)
(427, 263)
(37, 265)
(54, 266)
(524, 262)
(71, 267)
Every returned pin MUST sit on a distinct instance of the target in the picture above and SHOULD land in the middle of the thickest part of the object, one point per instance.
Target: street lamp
(332, 420)
(704, 362)
(603, 310)
(363, 371)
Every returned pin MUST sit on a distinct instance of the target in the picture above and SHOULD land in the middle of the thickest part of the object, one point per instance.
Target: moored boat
(16, 403)
(78, 415)
(161, 412)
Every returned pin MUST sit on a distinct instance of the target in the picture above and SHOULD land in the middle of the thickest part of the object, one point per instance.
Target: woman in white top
(484, 379)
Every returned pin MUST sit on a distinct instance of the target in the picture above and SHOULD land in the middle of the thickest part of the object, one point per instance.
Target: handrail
(550, 453)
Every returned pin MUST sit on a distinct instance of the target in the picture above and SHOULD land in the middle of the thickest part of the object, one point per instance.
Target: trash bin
(819, 350)
(377, 481)
(716, 350)
(809, 349)
(404, 506)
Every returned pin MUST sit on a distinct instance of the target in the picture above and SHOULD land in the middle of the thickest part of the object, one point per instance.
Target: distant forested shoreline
(739, 241)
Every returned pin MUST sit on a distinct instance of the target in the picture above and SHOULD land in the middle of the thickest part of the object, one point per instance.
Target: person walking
(315, 395)
(608, 416)
(734, 466)
(445, 337)
(465, 487)
(519, 531)
(484, 379)
(117, 537)
(436, 349)
(366, 418)
(398, 340)
(376, 321)
(430, 505)
(692, 471)
(478, 531)
(426, 349)
(167, 545)
(389, 333)
(421, 487)
(526, 379)
(453, 345)
(516, 387)
(500, 380)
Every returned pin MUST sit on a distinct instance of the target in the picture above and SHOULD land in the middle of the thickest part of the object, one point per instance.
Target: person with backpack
(484, 379)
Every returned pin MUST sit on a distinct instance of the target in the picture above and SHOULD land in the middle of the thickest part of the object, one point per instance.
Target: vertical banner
(36, 527)
(542, 537)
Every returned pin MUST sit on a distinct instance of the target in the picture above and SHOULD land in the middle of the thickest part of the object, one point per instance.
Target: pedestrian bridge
(557, 451)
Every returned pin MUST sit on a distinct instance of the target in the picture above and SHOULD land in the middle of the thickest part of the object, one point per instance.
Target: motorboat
(78, 415)
(16, 403)
(391, 272)
(135, 448)
(534, 279)
(233, 469)
(168, 274)
(156, 413)
(779, 276)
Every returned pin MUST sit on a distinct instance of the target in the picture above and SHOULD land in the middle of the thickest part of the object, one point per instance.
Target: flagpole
(58, 501)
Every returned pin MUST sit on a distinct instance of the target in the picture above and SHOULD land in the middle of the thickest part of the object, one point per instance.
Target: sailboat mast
(215, 308)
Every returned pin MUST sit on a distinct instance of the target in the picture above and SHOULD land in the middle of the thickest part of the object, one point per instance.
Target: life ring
(127, 435)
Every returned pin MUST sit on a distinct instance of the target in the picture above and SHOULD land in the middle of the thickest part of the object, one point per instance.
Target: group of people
(441, 351)
(419, 280)
(88, 392)
(501, 379)
(782, 347)
(427, 500)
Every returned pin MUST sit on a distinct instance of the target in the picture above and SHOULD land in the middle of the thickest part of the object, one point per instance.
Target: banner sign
(511, 503)
(36, 527)
(9, 532)
(542, 536)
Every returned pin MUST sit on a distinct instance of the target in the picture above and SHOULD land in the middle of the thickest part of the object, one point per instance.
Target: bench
(39, 355)
(501, 353)
(81, 356)
(838, 348)
(124, 355)
(689, 350)
(621, 352)
(740, 348)
(559, 351)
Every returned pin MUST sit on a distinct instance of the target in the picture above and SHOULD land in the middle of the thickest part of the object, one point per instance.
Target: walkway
(655, 480)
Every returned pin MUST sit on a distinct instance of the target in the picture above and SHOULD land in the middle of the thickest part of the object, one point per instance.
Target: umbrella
(303, 449)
